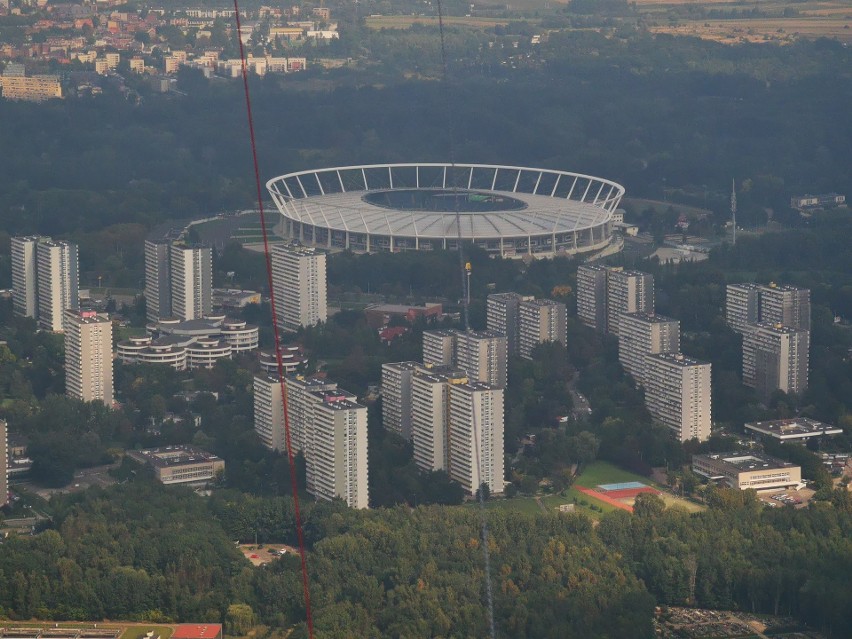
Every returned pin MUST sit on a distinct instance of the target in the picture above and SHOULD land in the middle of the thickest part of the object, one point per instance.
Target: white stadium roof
(547, 203)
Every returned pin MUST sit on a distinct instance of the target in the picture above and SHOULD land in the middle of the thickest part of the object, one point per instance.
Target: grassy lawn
(139, 632)
(526, 505)
(601, 472)
(126, 332)
(552, 502)
(689, 506)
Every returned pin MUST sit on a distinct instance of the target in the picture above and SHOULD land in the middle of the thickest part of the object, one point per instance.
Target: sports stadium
(509, 211)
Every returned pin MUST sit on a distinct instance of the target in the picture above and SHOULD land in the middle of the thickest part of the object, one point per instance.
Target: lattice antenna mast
(734, 210)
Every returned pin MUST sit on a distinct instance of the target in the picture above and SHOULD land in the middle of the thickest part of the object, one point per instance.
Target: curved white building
(505, 210)
(183, 344)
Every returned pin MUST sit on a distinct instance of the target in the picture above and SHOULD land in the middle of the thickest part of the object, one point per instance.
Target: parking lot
(795, 498)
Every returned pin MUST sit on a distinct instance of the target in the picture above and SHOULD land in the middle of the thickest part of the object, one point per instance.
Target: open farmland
(776, 21)
(404, 22)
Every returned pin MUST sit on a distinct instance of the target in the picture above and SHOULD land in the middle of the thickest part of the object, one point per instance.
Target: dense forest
(141, 551)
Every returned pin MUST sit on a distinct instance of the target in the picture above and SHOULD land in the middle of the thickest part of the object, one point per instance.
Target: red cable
(305, 584)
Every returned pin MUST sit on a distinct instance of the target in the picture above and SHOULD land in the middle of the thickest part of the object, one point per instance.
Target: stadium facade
(506, 210)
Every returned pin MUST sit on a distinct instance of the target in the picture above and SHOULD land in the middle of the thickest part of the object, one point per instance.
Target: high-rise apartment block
(327, 425)
(749, 303)
(627, 292)
(643, 334)
(502, 317)
(191, 281)
(439, 347)
(786, 305)
(58, 282)
(541, 321)
(336, 458)
(25, 276)
(88, 356)
(775, 357)
(430, 417)
(269, 412)
(677, 394)
(476, 430)
(396, 396)
(742, 306)
(300, 287)
(591, 295)
(158, 285)
(605, 293)
(45, 279)
(482, 355)
(453, 421)
(303, 394)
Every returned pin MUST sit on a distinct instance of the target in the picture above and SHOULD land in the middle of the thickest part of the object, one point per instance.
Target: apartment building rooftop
(778, 328)
(679, 359)
(651, 317)
(796, 428)
(747, 461)
(169, 456)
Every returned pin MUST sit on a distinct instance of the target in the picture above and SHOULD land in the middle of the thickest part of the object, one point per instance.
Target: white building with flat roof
(644, 334)
(58, 282)
(158, 286)
(336, 458)
(396, 396)
(627, 292)
(794, 429)
(269, 412)
(742, 306)
(502, 317)
(748, 303)
(748, 470)
(25, 276)
(592, 295)
(299, 283)
(439, 347)
(88, 356)
(475, 440)
(541, 321)
(483, 356)
(775, 357)
(191, 281)
(677, 394)
(430, 417)
(786, 305)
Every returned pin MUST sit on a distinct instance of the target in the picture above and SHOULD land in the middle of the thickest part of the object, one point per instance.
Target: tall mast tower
(734, 210)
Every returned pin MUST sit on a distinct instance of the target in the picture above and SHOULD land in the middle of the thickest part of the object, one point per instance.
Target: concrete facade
(88, 356)
(300, 284)
(644, 334)
(677, 394)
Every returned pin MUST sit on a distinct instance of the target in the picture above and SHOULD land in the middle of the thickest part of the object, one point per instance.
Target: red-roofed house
(198, 631)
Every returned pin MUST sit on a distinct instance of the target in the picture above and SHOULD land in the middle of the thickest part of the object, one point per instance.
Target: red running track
(626, 493)
(605, 498)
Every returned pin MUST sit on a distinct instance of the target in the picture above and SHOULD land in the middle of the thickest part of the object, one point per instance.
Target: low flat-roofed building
(794, 429)
(180, 464)
(378, 315)
(231, 298)
(748, 470)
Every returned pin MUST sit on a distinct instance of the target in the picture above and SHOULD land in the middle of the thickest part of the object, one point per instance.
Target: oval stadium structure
(506, 210)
